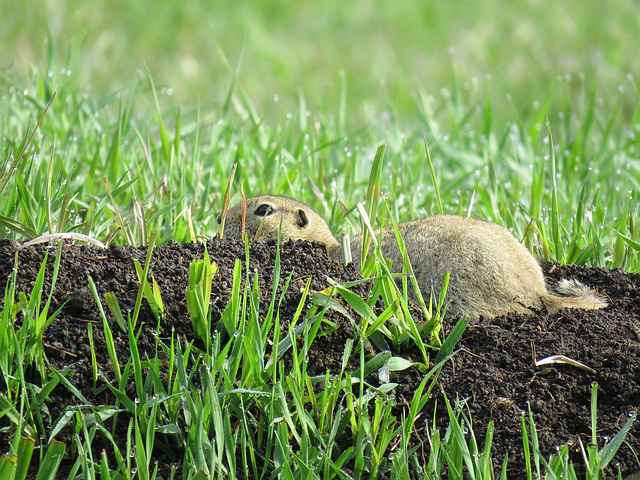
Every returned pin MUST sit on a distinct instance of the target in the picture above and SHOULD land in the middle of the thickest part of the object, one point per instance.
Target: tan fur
(491, 273)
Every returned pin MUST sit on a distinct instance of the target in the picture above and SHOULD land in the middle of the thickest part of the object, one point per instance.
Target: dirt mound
(494, 369)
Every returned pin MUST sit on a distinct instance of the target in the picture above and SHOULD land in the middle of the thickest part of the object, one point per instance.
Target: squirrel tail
(570, 293)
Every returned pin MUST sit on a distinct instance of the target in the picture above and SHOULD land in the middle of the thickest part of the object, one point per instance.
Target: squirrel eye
(263, 210)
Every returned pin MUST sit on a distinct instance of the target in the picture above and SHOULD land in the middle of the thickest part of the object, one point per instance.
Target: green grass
(128, 130)
(116, 167)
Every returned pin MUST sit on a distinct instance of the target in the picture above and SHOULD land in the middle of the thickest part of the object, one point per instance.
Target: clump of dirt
(494, 370)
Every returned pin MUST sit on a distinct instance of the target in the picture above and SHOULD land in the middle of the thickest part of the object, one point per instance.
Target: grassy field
(132, 114)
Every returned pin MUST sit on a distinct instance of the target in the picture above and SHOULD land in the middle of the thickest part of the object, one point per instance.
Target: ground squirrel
(491, 273)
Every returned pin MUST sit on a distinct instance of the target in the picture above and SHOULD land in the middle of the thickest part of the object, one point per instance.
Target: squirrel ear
(303, 220)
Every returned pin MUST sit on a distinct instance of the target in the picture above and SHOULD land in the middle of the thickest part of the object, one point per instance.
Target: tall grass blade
(373, 194)
(227, 200)
(108, 334)
(433, 176)
(608, 452)
(53, 457)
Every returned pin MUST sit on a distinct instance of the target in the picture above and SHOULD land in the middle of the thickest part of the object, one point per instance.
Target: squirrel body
(491, 273)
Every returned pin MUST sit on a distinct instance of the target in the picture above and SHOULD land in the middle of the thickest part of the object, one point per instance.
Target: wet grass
(118, 167)
(120, 152)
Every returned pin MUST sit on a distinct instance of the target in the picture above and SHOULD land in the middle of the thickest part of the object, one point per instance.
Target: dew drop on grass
(632, 413)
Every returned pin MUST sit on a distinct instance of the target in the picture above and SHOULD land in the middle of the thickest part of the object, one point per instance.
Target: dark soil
(494, 370)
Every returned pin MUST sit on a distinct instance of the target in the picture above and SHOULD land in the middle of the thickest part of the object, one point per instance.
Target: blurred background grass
(387, 50)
